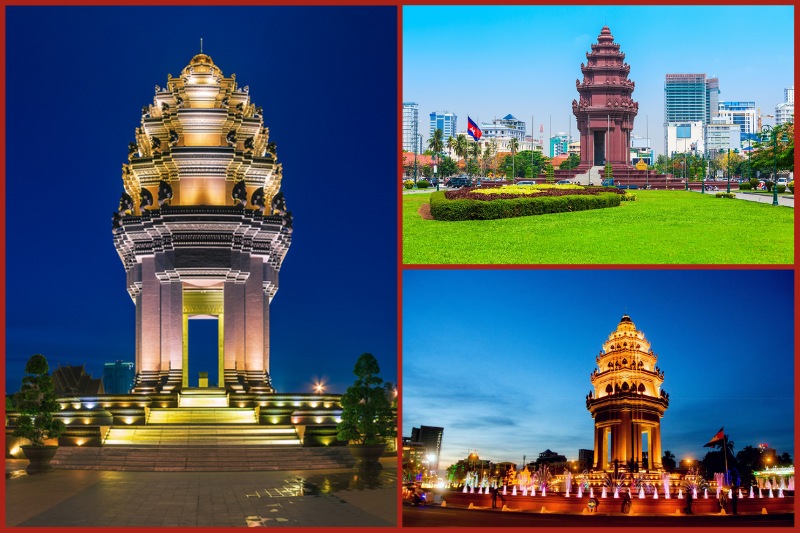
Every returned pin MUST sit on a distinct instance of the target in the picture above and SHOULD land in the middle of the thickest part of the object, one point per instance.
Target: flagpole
(725, 453)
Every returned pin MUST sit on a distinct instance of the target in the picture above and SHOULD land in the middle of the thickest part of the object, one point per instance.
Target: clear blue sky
(501, 359)
(486, 62)
(77, 78)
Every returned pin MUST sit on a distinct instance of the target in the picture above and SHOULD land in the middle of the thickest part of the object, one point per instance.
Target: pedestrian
(734, 500)
(626, 502)
(494, 497)
(689, 497)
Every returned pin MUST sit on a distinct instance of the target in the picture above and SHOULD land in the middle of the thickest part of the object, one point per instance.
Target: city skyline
(502, 359)
(501, 74)
(66, 287)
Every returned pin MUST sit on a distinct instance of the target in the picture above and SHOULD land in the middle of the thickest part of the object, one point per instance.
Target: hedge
(467, 209)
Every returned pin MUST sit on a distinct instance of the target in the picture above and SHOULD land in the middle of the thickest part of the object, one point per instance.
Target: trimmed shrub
(745, 186)
(423, 184)
(628, 197)
(768, 184)
(791, 186)
(408, 184)
(725, 195)
(468, 209)
(781, 188)
(754, 183)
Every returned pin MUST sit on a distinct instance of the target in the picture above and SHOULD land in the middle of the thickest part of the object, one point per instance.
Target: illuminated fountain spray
(567, 480)
(665, 484)
(641, 492)
(655, 493)
(680, 494)
(603, 494)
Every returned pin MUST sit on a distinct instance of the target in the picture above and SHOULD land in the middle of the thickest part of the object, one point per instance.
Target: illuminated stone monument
(191, 245)
(627, 402)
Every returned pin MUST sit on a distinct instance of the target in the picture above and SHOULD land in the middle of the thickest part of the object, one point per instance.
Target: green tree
(436, 143)
(573, 160)
(763, 156)
(513, 145)
(367, 416)
(475, 153)
(549, 172)
(608, 172)
(462, 145)
(448, 167)
(488, 155)
(668, 461)
(748, 460)
(451, 145)
(36, 402)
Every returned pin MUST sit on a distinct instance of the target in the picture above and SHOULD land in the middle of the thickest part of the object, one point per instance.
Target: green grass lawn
(660, 227)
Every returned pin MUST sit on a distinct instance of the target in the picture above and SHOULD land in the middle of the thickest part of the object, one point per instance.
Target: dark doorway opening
(599, 148)
(203, 350)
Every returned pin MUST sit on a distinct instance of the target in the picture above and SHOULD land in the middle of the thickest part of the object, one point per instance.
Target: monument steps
(202, 435)
(202, 415)
(201, 458)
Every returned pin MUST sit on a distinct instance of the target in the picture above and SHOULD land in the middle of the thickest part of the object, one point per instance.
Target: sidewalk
(310, 498)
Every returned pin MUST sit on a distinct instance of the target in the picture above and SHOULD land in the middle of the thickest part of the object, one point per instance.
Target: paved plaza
(309, 498)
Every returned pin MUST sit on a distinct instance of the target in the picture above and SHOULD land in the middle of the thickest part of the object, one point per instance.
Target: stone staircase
(201, 458)
(202, 434)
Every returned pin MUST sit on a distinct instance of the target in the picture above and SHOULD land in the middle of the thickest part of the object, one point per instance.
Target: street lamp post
(685, 173)
(769, 130)
(703, 176)
(729, 170)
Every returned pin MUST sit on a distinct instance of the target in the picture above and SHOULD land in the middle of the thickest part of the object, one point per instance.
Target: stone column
(255, 305)
(171, 325)
(150, 323)
(657, 446)
(597, 443)
(234, 327)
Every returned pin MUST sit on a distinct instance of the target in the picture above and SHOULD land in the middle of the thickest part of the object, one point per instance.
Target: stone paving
(310, 498)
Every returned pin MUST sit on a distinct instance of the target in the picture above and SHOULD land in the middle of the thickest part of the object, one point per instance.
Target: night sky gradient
(326, 77)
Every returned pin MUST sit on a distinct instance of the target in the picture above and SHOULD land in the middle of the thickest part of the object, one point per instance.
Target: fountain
(665, 484)
(591, 492)
(533, 490)
(472, 490)
(616, 492)
(567, 480)
(680, 494)
(525, 490)
(705, 495)
(730, 493)
(465, 489)
(514, 491)
(751, 491)
(780, 493)
(603, 494)
(791, 483)
(655, 493)
(770, 493)
(580, 491)
(544, 488)
(641, 492)
(694, 493)
(759, 492)
(740, 493)
(504, 490)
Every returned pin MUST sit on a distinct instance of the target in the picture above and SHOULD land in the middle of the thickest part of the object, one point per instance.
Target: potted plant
(36, 403)
(367, 417)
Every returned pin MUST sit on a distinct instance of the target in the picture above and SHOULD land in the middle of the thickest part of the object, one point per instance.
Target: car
(526, 182)
(782, 181)
(563, 182)
(459, 181)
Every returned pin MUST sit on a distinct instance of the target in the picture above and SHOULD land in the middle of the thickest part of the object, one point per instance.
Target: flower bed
(469, 205)
(526, 191)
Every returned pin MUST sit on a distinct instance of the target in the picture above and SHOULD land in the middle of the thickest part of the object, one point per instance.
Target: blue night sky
(486, 62)
(501, 359)
(76, 80)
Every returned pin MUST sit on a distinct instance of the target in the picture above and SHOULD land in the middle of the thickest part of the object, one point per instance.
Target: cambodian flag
(473, 129)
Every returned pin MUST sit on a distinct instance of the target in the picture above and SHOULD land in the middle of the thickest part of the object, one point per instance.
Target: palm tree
(451, 145)
(461, 146)
(436, 143)
(513, 144)
(487, 156)
(475, 150)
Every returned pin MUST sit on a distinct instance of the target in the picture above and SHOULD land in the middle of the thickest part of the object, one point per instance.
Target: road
(435, 516)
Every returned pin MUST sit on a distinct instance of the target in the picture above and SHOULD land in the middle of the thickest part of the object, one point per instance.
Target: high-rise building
(410, 127)
(741, 113)
(689, 98)
(445, 121)
(504, 128)
(683, 137)
(118, 377)
(559, 144)
(722, 134)
(784, 112)
(431, 437)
